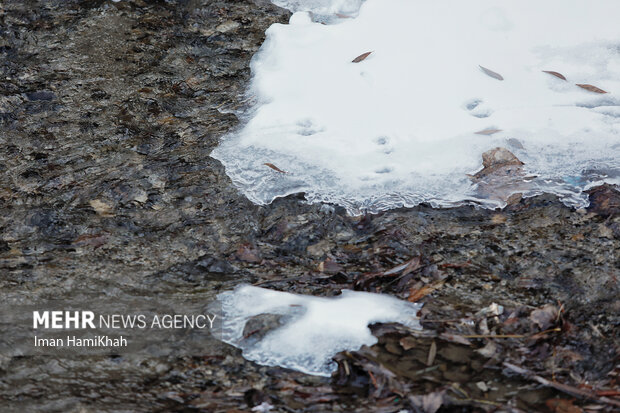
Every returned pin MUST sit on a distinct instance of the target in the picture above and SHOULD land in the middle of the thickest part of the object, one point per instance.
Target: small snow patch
(304, 332)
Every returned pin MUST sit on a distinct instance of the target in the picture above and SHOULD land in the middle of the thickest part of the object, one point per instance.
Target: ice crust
(322, 7)
(315, 328)
(398, 128)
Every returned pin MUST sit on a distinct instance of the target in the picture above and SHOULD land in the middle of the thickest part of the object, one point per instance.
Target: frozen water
(322, 7)
(314, 328)
(398, 128)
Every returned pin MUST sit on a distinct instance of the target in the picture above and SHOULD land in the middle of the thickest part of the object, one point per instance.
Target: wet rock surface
(108, 112)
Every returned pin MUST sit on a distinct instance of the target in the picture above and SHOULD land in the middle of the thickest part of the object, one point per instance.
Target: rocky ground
(108, 113)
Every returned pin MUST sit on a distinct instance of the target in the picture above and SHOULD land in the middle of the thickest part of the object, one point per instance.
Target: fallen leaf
(489, 131)
(141, 197)
(167, 120)
(605, 232)
(432, 352)
(491, 73)
(612, 393)
(492, 310)
(177, 397)
(400, 273)
(275, 168)
(361, 57)
(556, 74)
(102, 208)
(544, 317)
(416, 295)
(578, 237)
(562, 406)
(482, 386)
(248, 253)
(329, 266)
(264, 407)
(591, 88)
(499, 219)
(428, 403)
(94, 240)
(408, 343)
(489, 349)
(409, 266)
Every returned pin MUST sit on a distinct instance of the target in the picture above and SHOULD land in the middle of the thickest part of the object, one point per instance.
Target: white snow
(399, 127)
(314, 328)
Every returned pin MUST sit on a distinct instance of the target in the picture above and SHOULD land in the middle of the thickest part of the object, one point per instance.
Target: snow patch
(312, 330)
(398, 128)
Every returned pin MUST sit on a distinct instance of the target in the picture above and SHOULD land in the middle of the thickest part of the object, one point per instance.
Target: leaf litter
(491, 73)
(361, 57)
(556, 74)
(502, 346)
(591, 88)
(275, 168)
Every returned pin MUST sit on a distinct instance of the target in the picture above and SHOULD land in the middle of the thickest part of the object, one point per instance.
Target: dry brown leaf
(578, 237)
(408, 343)
(556, 74)
(591, 88)
(415, 295)
(489, 131)
(275, 168)
(167, 120)
(499, 219)
(405, 268)
(94, 240)
(101, 207)
(361, 57)
(491, 73)
(248, 253)
(329, 266)
(562, 406)
(432, 352)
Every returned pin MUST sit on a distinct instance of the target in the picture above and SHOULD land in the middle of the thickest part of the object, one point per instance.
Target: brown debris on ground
(473, 362)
